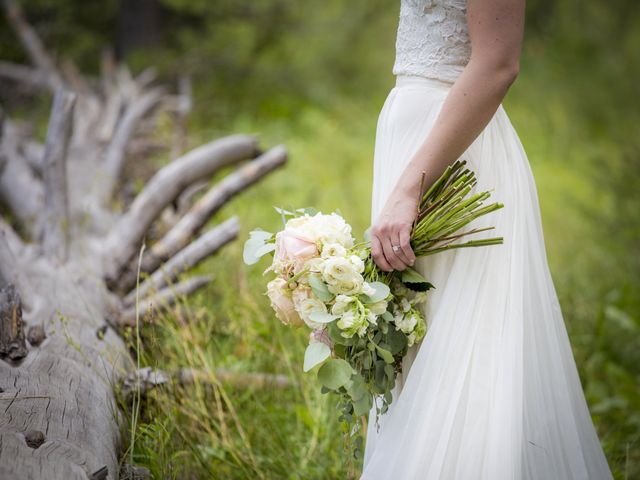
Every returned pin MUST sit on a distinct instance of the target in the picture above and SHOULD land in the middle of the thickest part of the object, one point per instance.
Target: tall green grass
(212, 429)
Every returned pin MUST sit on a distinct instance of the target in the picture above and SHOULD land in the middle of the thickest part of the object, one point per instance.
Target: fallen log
(69, 243)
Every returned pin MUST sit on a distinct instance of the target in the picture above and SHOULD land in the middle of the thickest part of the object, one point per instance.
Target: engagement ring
(395, 247)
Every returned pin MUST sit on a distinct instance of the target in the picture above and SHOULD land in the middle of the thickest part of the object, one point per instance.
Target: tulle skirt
(492, 391)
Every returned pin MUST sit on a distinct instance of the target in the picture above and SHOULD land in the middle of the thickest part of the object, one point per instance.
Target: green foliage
(313, 75)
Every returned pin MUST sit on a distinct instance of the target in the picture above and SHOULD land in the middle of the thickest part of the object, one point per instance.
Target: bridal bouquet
(361, 320)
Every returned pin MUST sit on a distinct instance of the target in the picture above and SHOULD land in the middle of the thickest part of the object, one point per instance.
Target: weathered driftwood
(124, 240)
(147, 378)
(54, 169)
(187, 258)
(32, 44)
(66, 241)
(165, 298)
(195, 218)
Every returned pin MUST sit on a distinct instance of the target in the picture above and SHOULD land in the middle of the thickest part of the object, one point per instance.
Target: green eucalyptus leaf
(381, 292)
(322, 317)
(256, 246)
(385, 354)
(320, 289)
(366, 360)
(334, 373)
(335, 334)
(264, 249)
(396, 341)
(390, 372)
(282, 211)
(315, 354)
(379, 375)
(308, 210)
(363, 405)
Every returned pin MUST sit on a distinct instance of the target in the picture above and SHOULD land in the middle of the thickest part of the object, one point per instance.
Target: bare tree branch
(187, 258)
(24, 75)
(184, 104)
(14, 241)
(164, 299)
(115, 156)
(8, 263)
(236, 379)
(211, 202)
(146, 77)
(146, 379)
(56, 205)
(33, 154)
(11, 274)
(20, 190)
(32, 43)
(165, 186)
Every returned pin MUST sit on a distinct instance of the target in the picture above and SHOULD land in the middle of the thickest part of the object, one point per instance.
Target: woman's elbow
(504, 71)
(510, 71)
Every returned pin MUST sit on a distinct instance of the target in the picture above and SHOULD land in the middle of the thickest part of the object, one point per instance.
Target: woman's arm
(495, 29)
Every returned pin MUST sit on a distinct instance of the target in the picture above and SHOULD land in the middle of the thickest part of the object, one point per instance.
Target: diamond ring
(395, 248)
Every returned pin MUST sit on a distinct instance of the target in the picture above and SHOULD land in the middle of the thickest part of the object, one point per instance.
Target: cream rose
(342, 304)
(306, 303)
(351, 323)
(333, 250)
(341, 276)
(282, 303)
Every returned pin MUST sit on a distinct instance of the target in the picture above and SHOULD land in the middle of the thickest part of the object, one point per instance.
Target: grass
(215, 430)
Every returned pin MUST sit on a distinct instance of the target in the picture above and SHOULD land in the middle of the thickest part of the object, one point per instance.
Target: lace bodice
(432, 39)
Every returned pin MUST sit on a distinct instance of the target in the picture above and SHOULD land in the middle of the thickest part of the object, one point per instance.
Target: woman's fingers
(378, 254)
(391, 255)
(405, 245)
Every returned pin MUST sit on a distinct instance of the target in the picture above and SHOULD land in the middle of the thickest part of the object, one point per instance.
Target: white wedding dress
(492, 391)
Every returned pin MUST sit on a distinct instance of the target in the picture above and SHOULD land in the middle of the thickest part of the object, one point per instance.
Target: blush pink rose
(292, 246)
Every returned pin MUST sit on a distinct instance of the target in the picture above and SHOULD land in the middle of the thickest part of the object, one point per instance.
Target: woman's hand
(390, 234)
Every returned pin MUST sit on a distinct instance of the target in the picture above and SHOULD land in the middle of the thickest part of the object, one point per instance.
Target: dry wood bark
(65, 243)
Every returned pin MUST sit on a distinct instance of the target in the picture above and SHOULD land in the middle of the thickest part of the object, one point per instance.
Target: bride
(492, 391)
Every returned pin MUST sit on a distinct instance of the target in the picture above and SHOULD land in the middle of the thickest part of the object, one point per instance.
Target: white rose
(367, 289)
(342, 304)
(357, 262)
(307, 303)
(350, 323)
(333, 250)
(341, 273)
(407, 323)
(347, 287)
(405, 305)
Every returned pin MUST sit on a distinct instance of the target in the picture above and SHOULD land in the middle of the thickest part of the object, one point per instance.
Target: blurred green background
(314, 75)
